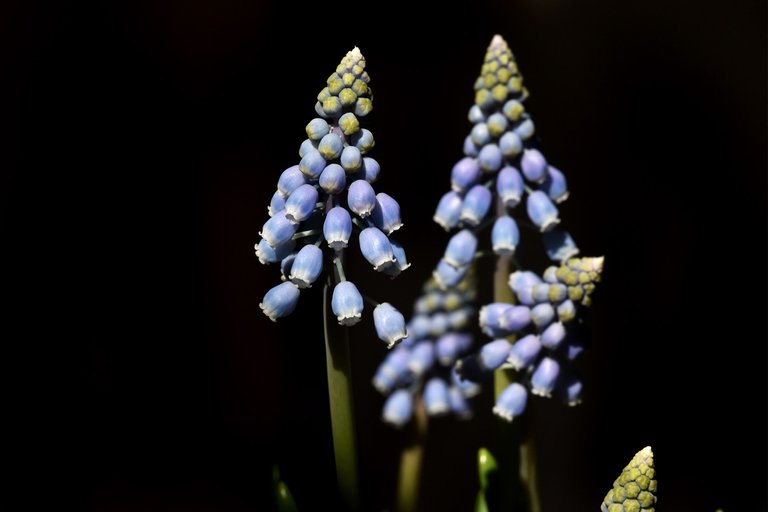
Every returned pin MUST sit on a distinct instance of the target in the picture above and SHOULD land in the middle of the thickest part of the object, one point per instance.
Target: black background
(144, 140)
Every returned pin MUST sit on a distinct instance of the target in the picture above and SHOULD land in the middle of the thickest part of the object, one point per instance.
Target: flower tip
(497, 41)
(356, 52)
(645, 453)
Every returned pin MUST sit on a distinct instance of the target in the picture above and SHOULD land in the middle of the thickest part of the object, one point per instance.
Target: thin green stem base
(340, 395)
(409, 476)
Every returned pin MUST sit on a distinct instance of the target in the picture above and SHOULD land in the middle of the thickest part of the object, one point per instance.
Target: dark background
(144, 140)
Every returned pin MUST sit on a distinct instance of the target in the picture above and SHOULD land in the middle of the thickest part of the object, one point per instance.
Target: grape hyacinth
(438, 334)
(505, 182)
(326, 198)
(635, 489)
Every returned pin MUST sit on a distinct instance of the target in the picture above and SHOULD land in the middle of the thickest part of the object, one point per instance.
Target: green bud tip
(635, 489)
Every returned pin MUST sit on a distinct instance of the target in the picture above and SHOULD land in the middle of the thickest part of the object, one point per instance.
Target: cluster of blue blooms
(501, 169)
(423, 364)
(328, 196)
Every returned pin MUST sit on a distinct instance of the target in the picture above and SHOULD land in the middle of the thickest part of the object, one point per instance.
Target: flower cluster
(423, 363)
(328, 196)
(501, 169)
(635, 489)
(540, 320)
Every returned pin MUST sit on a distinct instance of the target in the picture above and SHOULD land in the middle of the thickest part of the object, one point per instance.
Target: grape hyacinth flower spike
(635, 489)
(327, 197)
(504, 180)
(422, 365)
(321, 204)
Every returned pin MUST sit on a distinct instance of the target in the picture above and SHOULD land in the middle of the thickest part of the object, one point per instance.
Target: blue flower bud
(459, 404)
(386, 213)
(476, 115)
(513, 109)
(521, 279)
(541, 211)
(550, 273)
(559, 245)
(573, 347)
(337, 228)
(312, 164)
(480, 134)
(516, 318)
(268, 254)
(448, 276)
(389, 323)
(470, 149)
(494, 354)
(376, 248)
(307, 266)
(398, 408)
(280, 301)
(422, 358)
(468, 388)
(553, 335)
(370, 170)
(436, 397)
(438, 324)
(450, 345)
(570, 390)
(497, 124)
(461, 318)
(347, 303)
(306, 147)
(566, 311)
(286, 264)
(448, 210)
(361, 198)
(393, 371)
(351, 159)
(333, 179)
(491, 316)
(317, 128)
(511, 402)
(419, 327)
(505, 236)
(289, 180)
(461, 248)
(510, 144)
(525, 129)
(276, 204)
(509, 186)
(401, 262)
(490, 158)
(301, 203)
(277, 230)
(542, 314)
(330, 146)
(465, 173)
(524, 352)
(555, 185)
(540, 292)
(429, 302)
(476, 205)
(534, 166)
(363, 140)
(545, 377)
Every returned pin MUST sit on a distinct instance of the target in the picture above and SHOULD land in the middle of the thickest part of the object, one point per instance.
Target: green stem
(518, 492)
(340, 395)
(411, 458)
